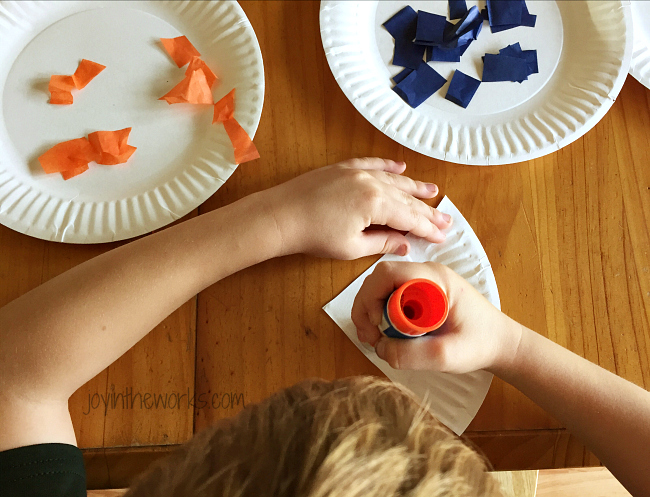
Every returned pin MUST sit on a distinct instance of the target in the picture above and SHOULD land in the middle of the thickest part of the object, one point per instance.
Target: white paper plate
(584, 51)
(181, 159)
(640, 67)
(453, 398)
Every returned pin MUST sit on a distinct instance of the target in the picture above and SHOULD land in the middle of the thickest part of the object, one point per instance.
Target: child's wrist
(279, 236)
(511, 334)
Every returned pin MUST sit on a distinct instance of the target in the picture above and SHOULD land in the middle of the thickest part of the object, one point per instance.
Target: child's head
(355, 437)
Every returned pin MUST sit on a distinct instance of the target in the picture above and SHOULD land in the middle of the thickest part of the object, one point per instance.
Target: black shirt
(43, 470)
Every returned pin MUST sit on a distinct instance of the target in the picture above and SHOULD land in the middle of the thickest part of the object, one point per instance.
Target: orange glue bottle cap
(416, 308)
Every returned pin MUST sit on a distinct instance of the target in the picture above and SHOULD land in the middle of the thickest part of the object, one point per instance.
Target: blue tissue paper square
(401, 75)
(457, 9)
(430, 28)
(462, 88)
(465, 30)
(403, 24)
(419, 85)
(530, 56)
(503, 68)
(531, 59)
(439, 54)
(505, 12)
(408, 54)
(527, 20)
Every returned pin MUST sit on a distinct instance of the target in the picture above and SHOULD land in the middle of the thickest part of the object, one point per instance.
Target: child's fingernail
(401, 163)
(432, 188)
(446, 217)
(380, 348)
(361, 336)
(402, 251)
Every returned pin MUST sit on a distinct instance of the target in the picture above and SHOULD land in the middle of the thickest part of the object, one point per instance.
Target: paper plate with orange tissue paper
(108, 125)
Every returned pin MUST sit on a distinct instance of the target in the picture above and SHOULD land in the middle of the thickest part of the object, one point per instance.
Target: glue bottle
(416, 308)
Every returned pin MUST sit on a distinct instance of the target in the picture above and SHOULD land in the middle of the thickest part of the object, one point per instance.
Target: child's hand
(325, 212)
(475, 336)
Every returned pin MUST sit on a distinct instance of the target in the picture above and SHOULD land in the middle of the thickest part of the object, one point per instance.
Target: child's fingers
(415, 188)
(384, 241)
(419, 353)
(369, 303)
(440, 219)
(366, 331)
(377, 164)
(411, 218)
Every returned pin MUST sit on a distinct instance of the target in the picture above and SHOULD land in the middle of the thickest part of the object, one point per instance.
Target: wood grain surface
(517, 483)
(574, 482)
(579, 482)
(567, 236)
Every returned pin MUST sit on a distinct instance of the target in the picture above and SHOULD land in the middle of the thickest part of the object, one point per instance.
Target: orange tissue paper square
(180, 49)
(194, 89)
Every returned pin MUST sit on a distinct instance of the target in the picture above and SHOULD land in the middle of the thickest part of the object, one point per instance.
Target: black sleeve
(52, 470)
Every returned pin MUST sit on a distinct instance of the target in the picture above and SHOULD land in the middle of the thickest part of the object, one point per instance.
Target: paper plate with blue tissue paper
(479, 82)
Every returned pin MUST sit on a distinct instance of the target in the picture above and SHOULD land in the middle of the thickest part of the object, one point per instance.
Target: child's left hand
(476, 335)
(326, 212)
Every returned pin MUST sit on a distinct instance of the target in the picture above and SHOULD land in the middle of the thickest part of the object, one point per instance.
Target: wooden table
(567, 236)
(575, 482)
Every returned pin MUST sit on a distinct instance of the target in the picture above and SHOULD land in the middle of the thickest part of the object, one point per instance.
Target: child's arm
(611, 415)
(61, 334)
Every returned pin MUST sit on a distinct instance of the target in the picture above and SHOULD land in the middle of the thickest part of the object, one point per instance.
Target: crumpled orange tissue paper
(224, 112)
(86, 72)
(71, 158)
(199, 78)
(195, 64)
(194, 89)
(180, 49)
(61, 87)
(68, 158)
(111, 146)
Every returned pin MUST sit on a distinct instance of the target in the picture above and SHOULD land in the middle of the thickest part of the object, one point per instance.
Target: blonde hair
(355, 437)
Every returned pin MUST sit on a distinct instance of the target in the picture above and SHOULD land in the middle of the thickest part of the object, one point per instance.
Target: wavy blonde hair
(355, 437)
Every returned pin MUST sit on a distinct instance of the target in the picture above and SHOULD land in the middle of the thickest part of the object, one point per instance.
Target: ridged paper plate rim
(42, 214)
(579, 102)
(640, 66)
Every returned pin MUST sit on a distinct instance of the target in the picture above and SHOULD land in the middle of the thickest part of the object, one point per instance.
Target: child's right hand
(327, 212)
(475, 336)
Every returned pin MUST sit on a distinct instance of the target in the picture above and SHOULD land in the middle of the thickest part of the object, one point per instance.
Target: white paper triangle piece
(453, 399)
